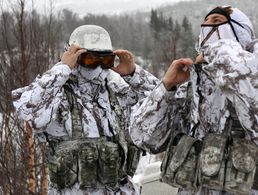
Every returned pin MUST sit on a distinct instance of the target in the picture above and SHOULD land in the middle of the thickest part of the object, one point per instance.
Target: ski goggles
(92, 59)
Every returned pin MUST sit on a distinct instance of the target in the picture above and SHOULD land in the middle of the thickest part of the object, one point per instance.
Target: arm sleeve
(235, 71)
(141, 84)
(38, 103)
(154, 118)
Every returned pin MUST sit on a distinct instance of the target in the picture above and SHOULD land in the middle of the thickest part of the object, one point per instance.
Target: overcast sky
(83, 7)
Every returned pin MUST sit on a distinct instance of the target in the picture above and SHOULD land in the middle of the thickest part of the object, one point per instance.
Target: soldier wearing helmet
(81, 107)
(205, 113)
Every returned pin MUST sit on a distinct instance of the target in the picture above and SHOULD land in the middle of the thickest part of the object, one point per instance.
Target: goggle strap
(234, 31)
(103, 53)
(208, 35)
(214, 25)
(217, 30)
(237, 23)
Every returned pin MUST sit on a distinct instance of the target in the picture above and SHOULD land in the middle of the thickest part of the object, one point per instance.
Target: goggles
(92, 59)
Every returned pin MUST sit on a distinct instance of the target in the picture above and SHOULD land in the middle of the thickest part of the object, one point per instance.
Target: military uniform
(229, 79)
(83, 113)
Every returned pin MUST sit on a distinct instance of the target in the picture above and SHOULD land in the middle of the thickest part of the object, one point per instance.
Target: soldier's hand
(71, 55)
(177, 73)
(126, 64)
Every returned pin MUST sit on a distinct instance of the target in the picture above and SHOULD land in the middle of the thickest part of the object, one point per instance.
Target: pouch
(133, 158)
(88, 160)
(179, 167)
(212, 161)
(241, 166)
(109, 163)
(63, 169)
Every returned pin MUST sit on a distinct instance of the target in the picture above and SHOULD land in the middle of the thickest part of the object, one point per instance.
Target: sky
(82, 7)
(110, 6)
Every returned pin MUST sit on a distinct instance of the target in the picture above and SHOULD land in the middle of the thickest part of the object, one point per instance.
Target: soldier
(81, 107)
(205, 114)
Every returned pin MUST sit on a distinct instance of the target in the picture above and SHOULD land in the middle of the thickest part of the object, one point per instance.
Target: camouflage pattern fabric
(230, 74)
(45, 105)
(128, 189)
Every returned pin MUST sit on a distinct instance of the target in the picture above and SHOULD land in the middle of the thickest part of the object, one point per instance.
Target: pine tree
(187, 40)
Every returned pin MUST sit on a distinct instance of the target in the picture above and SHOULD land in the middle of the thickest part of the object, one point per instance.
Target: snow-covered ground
(147, 176)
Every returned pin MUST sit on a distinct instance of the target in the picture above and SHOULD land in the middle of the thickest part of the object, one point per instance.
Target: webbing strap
(75, 113)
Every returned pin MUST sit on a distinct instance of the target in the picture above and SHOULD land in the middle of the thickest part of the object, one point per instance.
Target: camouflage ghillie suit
(85, 112)
(229, 79)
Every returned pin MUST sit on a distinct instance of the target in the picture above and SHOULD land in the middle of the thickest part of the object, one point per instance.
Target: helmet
(91, 37)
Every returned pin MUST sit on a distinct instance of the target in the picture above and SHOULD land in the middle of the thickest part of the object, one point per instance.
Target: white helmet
(91, 37)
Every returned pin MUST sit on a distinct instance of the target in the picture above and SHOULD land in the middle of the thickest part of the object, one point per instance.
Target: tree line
(32, 42)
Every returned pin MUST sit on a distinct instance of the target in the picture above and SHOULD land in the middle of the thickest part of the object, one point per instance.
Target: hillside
(197, 9)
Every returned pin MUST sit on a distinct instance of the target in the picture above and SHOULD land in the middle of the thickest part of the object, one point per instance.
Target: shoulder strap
(235, 125)
(75, 111)
(118, 110)
(51, 145)
(189, 98)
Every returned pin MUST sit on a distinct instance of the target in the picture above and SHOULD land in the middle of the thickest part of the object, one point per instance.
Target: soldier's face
(214, 19)
(214, 28)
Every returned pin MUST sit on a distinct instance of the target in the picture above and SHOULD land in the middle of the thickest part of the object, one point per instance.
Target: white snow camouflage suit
(231, 73)
(45, 105)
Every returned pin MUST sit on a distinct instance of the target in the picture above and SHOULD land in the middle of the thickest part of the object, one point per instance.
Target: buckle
(123, 181)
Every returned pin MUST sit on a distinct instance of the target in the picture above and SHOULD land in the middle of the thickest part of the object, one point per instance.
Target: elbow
(150, 144)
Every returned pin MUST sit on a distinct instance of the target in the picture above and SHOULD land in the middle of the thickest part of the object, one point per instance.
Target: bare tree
(31, 47)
